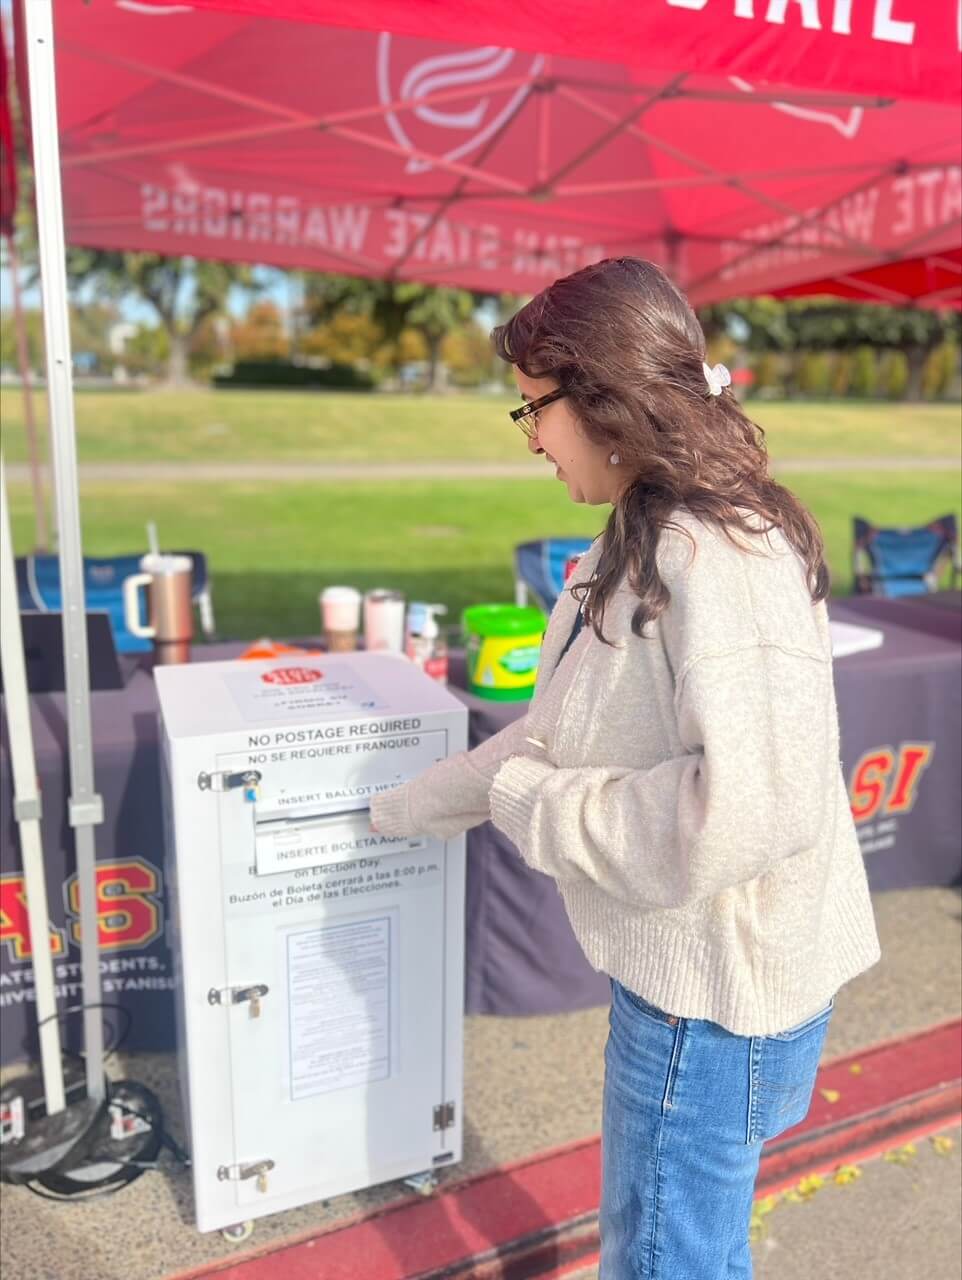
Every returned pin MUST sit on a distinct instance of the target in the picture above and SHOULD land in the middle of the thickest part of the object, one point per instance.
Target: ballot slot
(345, 774)
(311, 803)
(319, 839)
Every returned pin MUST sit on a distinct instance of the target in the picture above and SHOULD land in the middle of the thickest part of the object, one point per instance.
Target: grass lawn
(206, 425)
(272, 548)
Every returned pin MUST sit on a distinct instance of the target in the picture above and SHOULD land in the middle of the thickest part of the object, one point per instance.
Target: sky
(275, 285)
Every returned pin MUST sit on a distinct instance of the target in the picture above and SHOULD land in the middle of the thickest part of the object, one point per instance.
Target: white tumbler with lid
(384, 621)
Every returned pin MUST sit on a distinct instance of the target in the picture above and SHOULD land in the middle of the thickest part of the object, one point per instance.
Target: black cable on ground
(110, 1162)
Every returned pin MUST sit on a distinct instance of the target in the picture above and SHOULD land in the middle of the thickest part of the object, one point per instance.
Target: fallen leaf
(942, 1144)
(830, 1095)
(758, 1229)
(856, 1069)
(902, 1155)
(847, 1173)
(808, 1186)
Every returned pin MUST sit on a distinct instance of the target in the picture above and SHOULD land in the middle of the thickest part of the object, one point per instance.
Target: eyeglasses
(527, 416)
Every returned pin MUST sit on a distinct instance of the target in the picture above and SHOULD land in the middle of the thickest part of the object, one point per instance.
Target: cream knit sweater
(684, 790)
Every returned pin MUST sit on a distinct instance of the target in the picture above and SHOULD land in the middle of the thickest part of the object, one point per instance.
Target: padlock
(255, 1005)
(262, 1183)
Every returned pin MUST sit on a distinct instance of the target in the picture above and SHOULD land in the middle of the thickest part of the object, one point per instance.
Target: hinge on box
(249, 779)
(258, 1169)
(236, 995)
(443, 1116)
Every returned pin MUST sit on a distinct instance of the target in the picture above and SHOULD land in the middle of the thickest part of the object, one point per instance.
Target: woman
(678, 770)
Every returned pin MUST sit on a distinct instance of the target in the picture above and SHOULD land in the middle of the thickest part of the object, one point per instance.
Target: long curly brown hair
(628, 350)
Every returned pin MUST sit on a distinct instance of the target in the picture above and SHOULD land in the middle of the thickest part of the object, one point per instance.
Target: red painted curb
(416, 1237)
(540, 1213)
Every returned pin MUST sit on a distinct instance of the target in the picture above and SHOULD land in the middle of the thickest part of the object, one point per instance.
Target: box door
(337, 1068)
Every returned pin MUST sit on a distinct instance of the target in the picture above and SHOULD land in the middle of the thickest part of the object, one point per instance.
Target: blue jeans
(687, 1107)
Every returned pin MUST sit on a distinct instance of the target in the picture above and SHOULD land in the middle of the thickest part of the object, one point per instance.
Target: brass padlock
(262, 1182)
(255, 1005)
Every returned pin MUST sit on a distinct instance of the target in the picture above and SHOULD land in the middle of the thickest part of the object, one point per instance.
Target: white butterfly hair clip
(717, 378)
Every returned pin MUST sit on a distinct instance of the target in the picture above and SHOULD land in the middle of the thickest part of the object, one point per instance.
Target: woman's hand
(386, 818)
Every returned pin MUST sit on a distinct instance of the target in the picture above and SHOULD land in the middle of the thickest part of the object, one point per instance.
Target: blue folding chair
(539, 568)
(897, 562)
(38, 587)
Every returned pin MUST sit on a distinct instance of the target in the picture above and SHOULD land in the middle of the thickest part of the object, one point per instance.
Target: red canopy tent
(814, 141)
(932, 281)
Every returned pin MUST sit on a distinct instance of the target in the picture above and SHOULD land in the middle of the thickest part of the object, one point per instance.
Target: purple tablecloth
(900, 709)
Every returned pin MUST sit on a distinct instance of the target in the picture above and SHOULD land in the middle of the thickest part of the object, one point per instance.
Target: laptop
(43, 652)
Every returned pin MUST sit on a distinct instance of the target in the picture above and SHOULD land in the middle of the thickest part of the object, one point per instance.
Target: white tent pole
(85, 806)
(42, 534)
(26, 810)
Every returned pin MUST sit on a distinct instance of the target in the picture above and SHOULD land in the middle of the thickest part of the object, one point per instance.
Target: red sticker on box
(292, 675)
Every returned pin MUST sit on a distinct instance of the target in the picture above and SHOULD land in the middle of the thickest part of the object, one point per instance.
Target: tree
(467, 354)
(89, 332)
(435, 313)
(182, 292)
(90, 328)
(260, 335)
(761, 324)
(829, 325)
(146, 351)
(33, 327)
(345, 338)
(393, 306)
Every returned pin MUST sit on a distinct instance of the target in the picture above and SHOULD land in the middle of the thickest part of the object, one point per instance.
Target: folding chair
(904, 561)
(38, 587)
(541, 568)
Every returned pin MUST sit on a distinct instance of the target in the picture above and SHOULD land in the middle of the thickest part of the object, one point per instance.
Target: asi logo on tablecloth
(885, 784)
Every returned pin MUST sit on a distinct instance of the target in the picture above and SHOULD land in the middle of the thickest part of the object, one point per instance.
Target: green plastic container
(503, 648)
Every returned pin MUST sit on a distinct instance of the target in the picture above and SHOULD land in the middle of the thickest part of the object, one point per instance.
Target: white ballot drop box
(319, 965)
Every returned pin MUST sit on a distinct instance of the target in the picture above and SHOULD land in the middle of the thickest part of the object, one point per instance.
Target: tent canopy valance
(896, 48)
(746, 154)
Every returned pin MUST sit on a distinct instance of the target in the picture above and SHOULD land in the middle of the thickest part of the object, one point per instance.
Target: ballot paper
(848, 638)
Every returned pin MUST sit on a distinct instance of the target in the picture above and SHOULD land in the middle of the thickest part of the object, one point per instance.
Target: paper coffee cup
(340, 617)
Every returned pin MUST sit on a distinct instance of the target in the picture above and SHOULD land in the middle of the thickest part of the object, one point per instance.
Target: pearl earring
(614, 460)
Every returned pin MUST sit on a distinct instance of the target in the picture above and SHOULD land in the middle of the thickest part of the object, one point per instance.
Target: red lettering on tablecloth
(913, 759)
(870, 790)
(15, 924)
(868, 784)
(128, 912)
